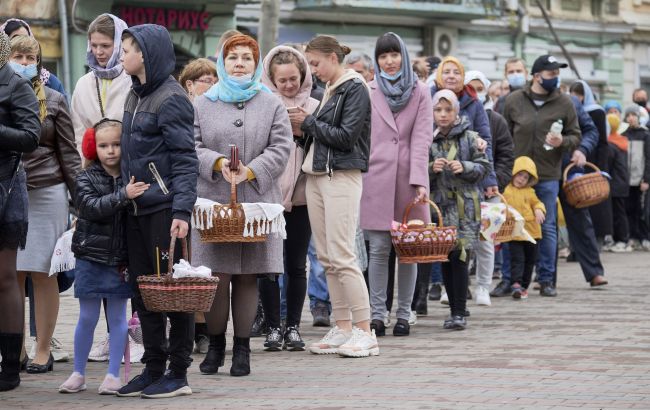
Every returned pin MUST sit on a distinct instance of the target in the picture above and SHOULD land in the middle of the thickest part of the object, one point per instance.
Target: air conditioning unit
(445, 41)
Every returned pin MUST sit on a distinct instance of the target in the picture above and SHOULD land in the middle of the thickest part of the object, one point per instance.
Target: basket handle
(424, 201)
(571, 165)
(172, 246)
(234, 167)
(503, 199)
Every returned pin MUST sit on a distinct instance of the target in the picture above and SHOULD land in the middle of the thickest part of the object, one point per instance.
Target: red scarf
(469, 90)
(619, 140)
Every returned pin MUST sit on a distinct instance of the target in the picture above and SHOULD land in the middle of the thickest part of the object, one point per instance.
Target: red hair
(243, 41)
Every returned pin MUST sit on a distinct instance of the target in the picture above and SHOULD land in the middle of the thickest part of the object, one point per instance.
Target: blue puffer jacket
(478, 121)
(588, 129)
(157, 130)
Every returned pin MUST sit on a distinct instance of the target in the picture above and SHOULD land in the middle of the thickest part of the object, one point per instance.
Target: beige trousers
(333, 206)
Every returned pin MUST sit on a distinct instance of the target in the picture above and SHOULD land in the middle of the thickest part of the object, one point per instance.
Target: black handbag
(5, 195)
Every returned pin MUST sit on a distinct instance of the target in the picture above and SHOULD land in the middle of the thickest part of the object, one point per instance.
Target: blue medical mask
(550, 84)
(243, 79)
(481, 97)
(26, 71)
(516, 80)
(389, 77)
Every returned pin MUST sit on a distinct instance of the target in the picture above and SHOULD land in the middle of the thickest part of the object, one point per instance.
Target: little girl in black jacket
(99, 245)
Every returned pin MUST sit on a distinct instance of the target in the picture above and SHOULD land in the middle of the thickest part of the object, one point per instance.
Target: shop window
(571, 5)
(603, 8)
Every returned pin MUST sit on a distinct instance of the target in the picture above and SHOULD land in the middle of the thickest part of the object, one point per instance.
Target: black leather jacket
(20, 127)
(340, 131)
(101, 203)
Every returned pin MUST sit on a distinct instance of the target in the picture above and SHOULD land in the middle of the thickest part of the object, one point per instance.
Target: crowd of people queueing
(345, 144)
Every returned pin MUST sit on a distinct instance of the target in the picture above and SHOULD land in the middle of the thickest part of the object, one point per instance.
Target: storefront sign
(172, 19)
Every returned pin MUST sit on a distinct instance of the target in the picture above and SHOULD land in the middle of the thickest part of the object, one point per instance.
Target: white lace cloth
(183, 269)
(269, 217)
(62, 258)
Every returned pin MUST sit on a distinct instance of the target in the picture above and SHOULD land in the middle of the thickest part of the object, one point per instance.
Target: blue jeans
(317, 283)
(547, 192)
(505, 265)
(436, 273)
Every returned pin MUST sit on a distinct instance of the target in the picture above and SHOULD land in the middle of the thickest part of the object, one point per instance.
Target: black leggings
(455, 277)
(11, 304)
(523, 257)
(295, 266)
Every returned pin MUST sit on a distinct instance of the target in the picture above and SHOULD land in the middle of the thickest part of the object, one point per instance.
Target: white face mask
(242, 79)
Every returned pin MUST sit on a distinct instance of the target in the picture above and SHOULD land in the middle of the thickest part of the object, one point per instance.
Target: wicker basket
(163, 293)
(423, 245)
(229, 221)
(586, 190)
(505, 232)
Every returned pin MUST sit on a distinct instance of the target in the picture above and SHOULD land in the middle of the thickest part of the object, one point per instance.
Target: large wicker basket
(423, 245)
(228, 221)
(505, 232)
(163, 293)
(585, 190)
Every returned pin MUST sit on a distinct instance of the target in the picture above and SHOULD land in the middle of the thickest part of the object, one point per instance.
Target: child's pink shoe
(110, 385)
(75, 383)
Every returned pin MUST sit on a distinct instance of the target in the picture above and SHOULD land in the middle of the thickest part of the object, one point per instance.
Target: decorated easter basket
(163, 293)
(585, 190)
(423, 244)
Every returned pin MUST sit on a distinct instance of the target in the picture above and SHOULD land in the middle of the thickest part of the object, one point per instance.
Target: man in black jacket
(157, 148)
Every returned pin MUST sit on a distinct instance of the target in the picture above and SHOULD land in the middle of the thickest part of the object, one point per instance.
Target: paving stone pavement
(587, 348)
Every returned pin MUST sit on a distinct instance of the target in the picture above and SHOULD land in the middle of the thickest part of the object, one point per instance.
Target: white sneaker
(444, 299)
(110, 385)
(621, 247)
(75, 383)
(136, 351)
(387, 320)
(99, 351)
(331, 342)
(56, 348)
(645, 245)
(634, 244)
(482, 296)
(361, 344)
(413, 318)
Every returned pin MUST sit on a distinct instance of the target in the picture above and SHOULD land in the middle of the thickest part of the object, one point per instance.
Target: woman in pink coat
(401, 134)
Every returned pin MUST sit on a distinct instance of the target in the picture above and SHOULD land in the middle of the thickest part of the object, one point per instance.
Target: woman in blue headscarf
(239, 110)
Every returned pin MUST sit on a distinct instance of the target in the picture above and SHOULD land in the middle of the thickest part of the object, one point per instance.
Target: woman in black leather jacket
(337, 142)
(20, 129)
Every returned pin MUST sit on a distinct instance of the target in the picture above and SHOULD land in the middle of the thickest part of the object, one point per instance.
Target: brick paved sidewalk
(584, 349)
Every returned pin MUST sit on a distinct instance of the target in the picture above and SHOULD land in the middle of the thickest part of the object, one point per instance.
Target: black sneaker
(379, 327)
(458, 322)
(547, 289)
(137, 384)
(273, 341)
(292, 340)
(402, 328)
(435, 292)
(321, 315)
(169, 385)
(502, 289)
(259, 325)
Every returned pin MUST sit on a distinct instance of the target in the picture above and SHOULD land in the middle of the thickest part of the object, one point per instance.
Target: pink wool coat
(399, 159)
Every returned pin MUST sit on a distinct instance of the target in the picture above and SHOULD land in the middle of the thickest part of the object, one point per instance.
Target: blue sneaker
(169, 385)
(137, 384)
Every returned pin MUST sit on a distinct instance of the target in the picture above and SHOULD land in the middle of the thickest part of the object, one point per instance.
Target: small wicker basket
(423, 245)
(163, 293)
(505, 232)
(228, 221)
(586, 190)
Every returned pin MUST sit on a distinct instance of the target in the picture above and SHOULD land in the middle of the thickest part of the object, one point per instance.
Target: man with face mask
(516, 76)
(640, 98)
(530, 112)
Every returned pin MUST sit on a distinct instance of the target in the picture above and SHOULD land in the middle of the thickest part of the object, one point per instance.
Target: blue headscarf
(230, 91)
(589, 104)
(613, 104)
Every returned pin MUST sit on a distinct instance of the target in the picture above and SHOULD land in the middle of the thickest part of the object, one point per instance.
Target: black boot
(10, 346)
(241, 352)
(435, 292)
(421, 291)
(259, 325)
(215, 356)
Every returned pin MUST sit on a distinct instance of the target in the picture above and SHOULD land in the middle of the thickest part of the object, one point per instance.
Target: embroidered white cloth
(269, 217)
(493, 215)
(62, 258)
(183, 269)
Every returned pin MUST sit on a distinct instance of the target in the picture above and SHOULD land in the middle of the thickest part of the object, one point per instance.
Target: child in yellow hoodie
(521, 196)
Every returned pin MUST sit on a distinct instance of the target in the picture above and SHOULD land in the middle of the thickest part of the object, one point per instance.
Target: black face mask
(641, 103)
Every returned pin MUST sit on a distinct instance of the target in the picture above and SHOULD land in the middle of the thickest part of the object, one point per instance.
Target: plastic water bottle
(556, 128)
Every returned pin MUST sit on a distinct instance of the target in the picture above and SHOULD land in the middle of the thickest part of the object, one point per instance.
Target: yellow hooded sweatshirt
(524, 200)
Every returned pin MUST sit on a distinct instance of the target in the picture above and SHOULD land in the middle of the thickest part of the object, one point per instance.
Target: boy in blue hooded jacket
(157, 148)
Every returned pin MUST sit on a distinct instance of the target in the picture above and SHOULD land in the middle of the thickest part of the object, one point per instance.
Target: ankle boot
(421, 292)
(216, 353)
(10, 347)
(241, 357)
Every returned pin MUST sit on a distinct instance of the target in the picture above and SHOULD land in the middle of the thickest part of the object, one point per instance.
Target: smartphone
(292, 109)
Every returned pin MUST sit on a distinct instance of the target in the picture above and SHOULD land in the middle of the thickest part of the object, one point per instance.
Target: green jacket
(529, 125)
